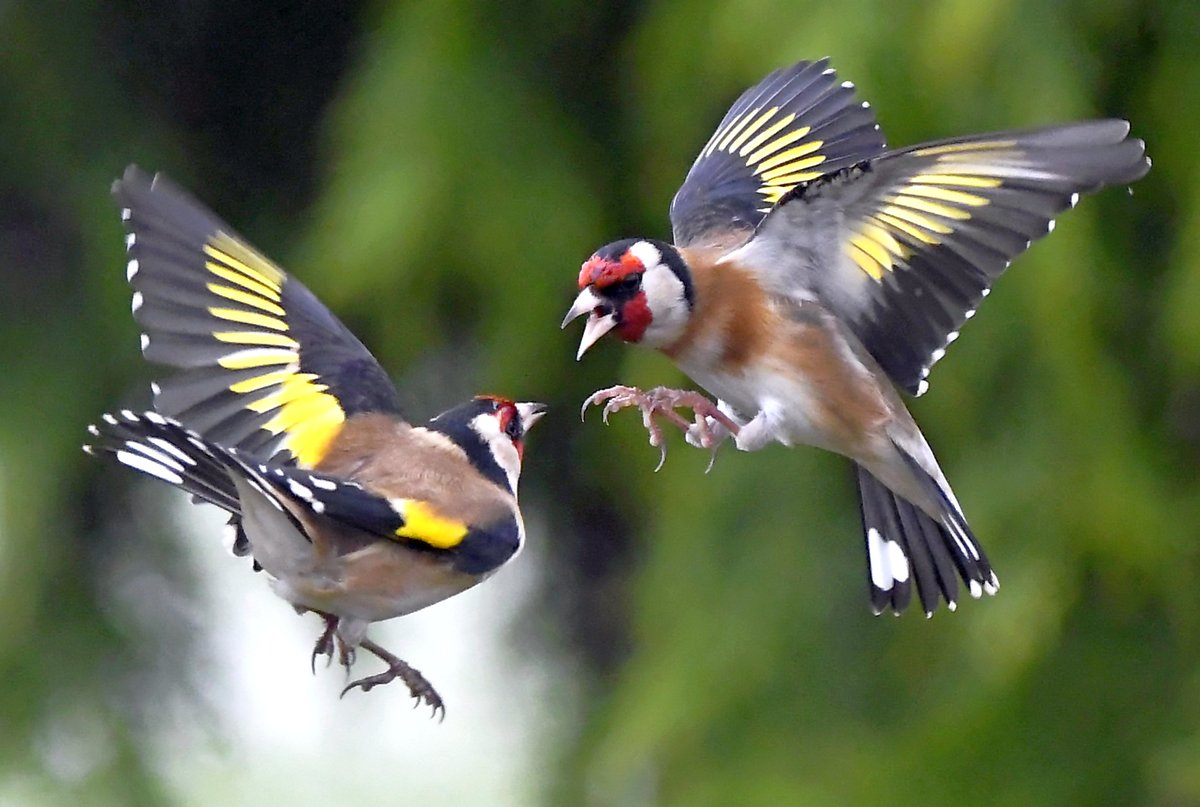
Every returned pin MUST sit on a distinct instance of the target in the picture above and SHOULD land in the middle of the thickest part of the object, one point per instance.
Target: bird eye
(630, 283)
(513, 428)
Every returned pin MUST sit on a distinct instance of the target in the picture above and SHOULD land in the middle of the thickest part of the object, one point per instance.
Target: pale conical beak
(597, 324)
(530, 413)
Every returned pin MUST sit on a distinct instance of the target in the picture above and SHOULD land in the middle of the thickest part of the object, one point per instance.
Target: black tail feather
(905, 546)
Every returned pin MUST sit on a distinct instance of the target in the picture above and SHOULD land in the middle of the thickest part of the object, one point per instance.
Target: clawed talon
(662, 402)
(421, 690)
(324, 645)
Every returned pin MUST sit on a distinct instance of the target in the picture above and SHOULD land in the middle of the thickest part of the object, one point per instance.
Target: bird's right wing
(903, 247)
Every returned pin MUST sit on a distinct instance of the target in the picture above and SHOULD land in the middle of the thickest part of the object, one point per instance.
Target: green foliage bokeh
(461, 162)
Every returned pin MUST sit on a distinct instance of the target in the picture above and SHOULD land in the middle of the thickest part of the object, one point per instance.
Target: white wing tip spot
(136, 302)
(849, 85)
(299, 490)
(937, 355)
(976, 589)
(922, 387)
(130, 240)
(1050, 226)
(952, 605)
(126, 213)
(155, 389)
(145, 340)
(1074, 199)
(131, 270)
(969, 313)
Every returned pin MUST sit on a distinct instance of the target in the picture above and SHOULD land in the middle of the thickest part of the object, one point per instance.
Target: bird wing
(902, 248)
(264, 366)
(796, 124)
(166, 449)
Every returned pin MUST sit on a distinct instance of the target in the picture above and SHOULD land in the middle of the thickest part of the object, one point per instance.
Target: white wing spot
(125, 214)
(849, 85)
(145, 342)
(136, 302)
(155, 388)
(976, 589)
(323, 484)
(109, 419)
(149, 466)
(937, 355)
(131, 269)
(1074, 199)
(93, 431)
(970, 312)
(299, 490)
(317, 506)
(171, 449)
(922, 388)
(130, 240)
(155, 418)
(951, 337)
(1050, 226)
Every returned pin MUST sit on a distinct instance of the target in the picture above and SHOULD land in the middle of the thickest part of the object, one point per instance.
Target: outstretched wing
(167, 450)
(797, 124)
(265, 367)
(903, 247)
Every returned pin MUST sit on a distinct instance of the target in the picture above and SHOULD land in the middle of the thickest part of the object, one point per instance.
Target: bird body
(279, 416)
(814, 271)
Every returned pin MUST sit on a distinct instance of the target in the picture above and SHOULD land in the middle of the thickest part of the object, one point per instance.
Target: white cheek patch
(647, 253)
(501, 446)
(668, 303)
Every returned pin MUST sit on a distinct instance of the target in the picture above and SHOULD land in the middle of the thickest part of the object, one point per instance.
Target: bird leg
(418, 686)
(324, 645)
(662, 402)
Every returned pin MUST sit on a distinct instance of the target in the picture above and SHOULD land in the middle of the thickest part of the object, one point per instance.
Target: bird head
(491, 430)
(637, 288)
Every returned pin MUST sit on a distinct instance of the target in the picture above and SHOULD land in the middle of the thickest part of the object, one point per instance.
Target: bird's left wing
(796, 124)
(165, 449)
(264, 366)
(903, 247)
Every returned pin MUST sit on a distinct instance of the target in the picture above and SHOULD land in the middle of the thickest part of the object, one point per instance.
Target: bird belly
(381, 581)
(790, 404)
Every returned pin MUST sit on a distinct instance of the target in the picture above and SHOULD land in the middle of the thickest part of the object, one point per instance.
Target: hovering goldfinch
(283, 419)
(813, 270)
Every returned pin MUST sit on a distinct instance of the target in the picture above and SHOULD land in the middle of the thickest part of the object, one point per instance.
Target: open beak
(597, 324)
(530, 413)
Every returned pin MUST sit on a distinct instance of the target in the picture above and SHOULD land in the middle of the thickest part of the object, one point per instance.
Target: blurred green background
(436, 171)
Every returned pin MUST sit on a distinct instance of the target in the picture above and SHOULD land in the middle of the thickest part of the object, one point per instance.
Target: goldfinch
(279, 416)
(814, 270)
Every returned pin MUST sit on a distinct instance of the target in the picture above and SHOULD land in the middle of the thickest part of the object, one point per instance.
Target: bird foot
(324, 645)
(421, 690)
(661, 402)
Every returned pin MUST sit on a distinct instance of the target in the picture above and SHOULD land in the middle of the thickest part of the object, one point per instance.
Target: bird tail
(905, 545)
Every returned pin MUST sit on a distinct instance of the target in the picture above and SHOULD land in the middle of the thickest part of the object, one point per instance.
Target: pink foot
(662, 402)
